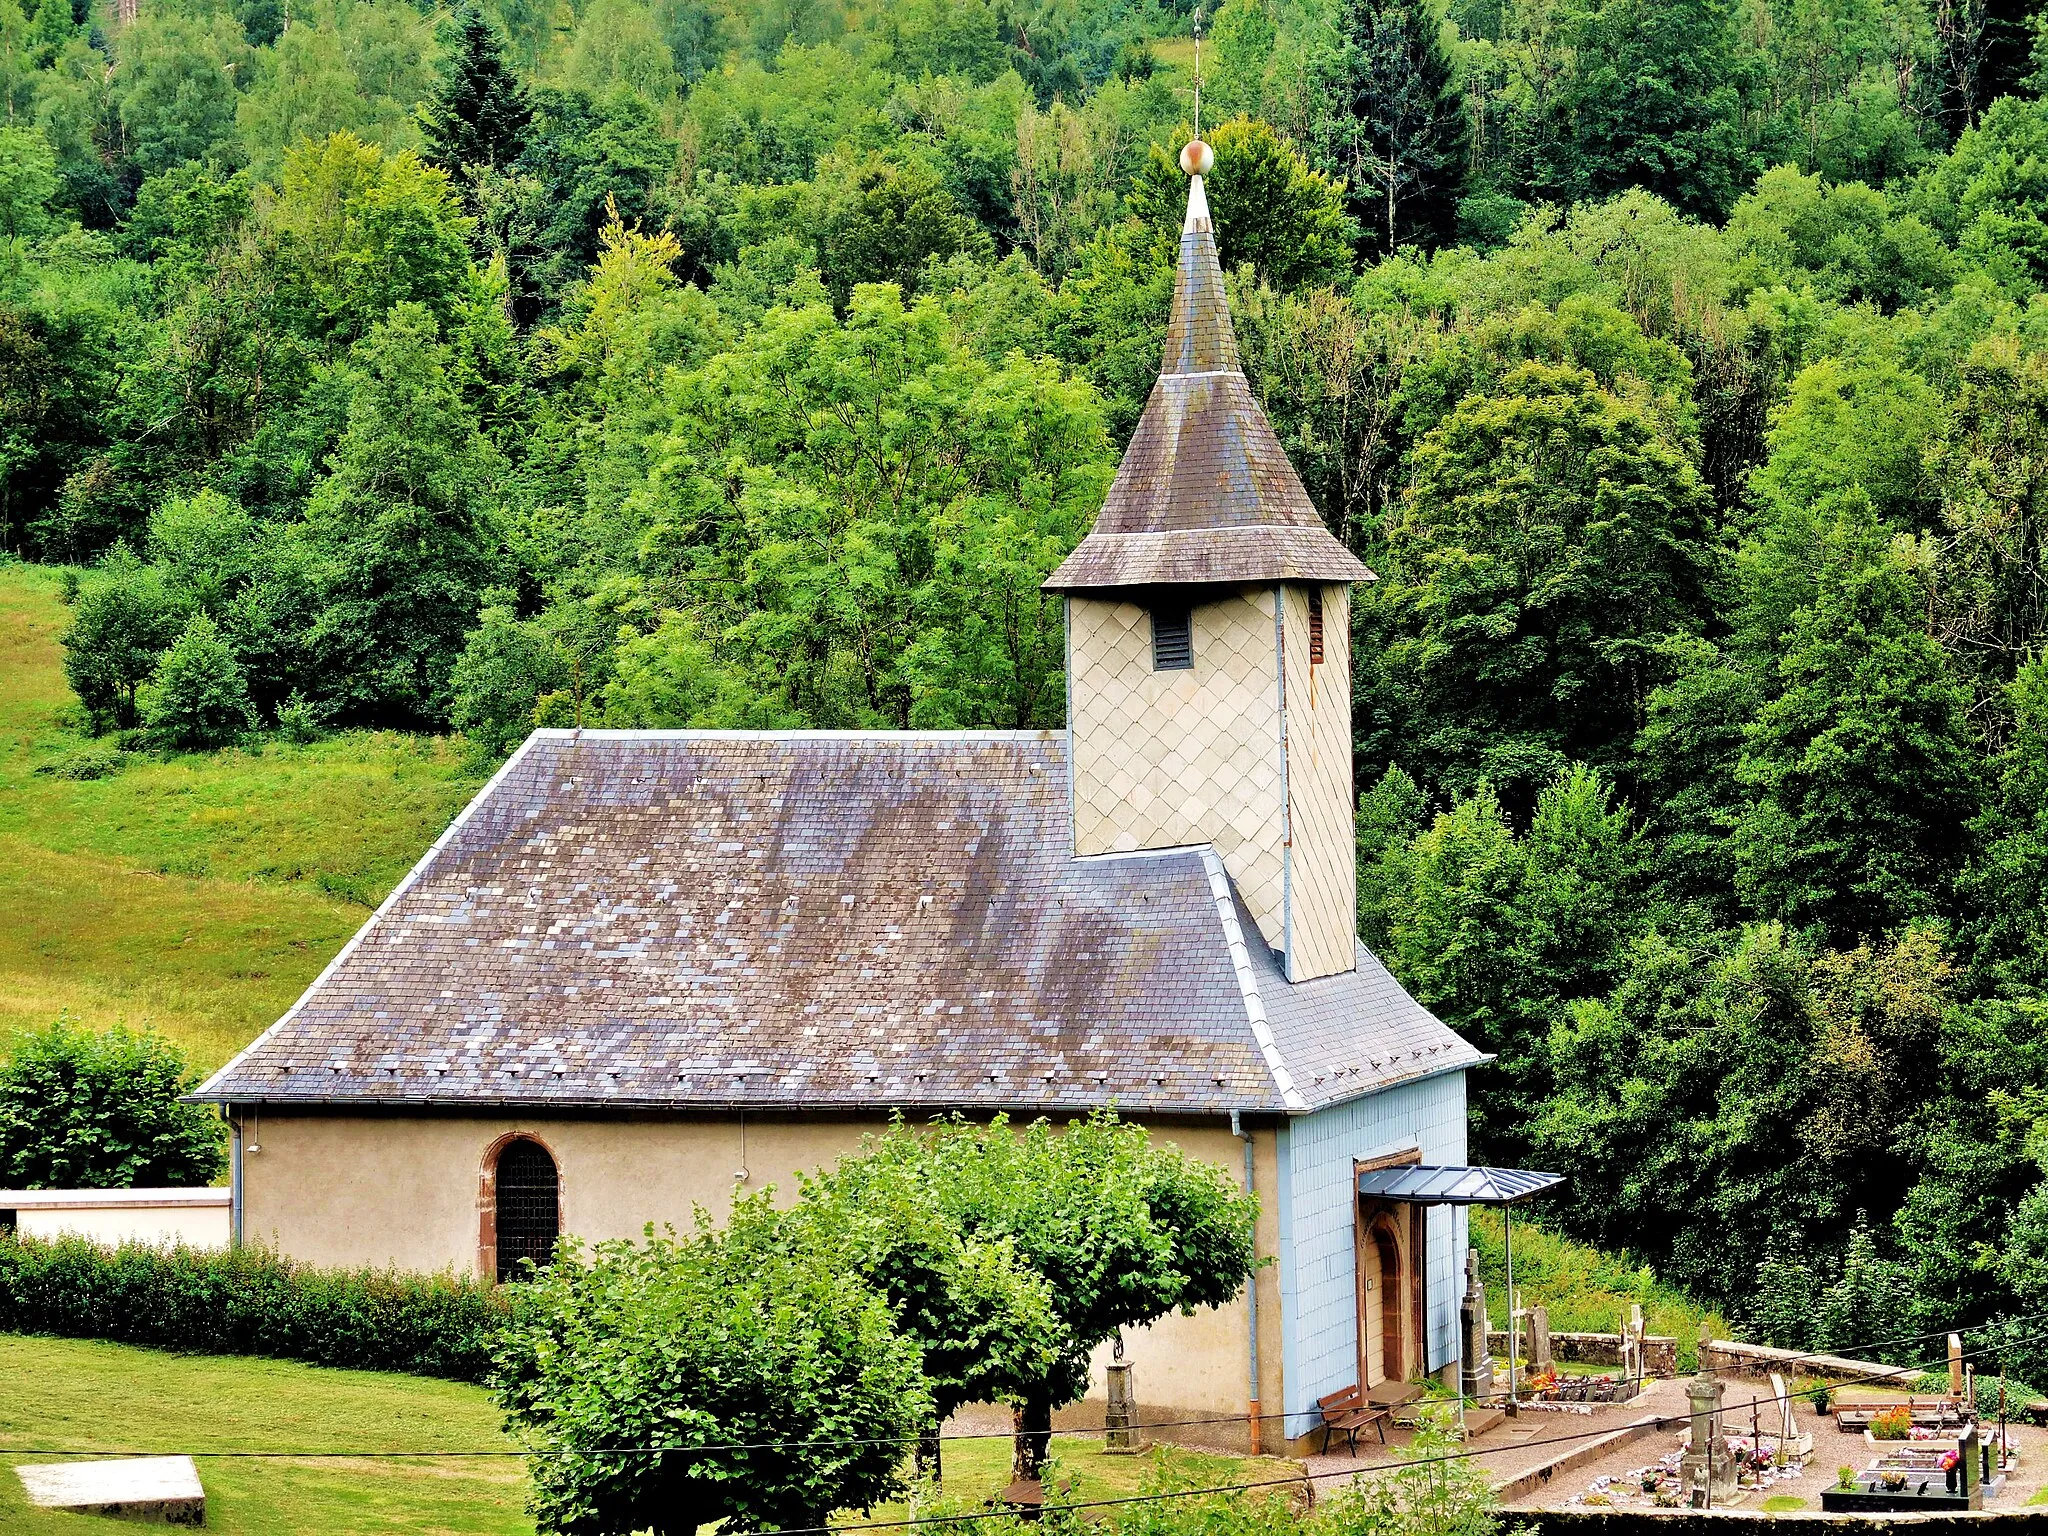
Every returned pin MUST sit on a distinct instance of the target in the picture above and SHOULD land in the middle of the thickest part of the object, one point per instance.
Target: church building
(645, 968)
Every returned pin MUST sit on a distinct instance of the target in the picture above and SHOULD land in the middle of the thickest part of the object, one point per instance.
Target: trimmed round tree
(1121, 1231)
(986, 1322)
(628, 1373)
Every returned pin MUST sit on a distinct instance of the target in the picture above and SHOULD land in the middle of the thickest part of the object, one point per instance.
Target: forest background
(1680, 366)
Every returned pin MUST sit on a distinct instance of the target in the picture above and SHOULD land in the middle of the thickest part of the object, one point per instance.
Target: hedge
(249, 1301)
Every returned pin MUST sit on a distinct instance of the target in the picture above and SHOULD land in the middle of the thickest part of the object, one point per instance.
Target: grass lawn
(64, 1392)
(91, 1396)
(193, 894)
(977, 1470)
(1782, 1504)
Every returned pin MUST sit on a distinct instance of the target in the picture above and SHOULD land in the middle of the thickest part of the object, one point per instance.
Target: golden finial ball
(1197, 159)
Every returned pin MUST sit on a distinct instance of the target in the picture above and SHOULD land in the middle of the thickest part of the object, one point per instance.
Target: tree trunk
(1034, 1439)
(928, 1461)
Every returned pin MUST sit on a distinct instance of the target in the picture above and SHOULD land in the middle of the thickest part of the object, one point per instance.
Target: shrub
(198, 698)
(249, 1301)
(102, 1110)
(2017, 1395)
(300, 720)
(101, 762)
(1892, 1424)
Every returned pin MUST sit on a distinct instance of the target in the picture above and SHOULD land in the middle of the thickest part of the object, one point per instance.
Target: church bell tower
(1208, 640)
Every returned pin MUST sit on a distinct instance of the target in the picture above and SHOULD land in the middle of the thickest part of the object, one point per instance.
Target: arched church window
(1173, 640)
(529, 1207)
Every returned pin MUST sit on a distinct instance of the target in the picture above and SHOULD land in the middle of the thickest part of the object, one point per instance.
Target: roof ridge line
(577, 733)
(1247, 981)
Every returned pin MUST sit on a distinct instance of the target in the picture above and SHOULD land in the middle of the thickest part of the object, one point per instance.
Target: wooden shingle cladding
(1205, 494)
(818, 920)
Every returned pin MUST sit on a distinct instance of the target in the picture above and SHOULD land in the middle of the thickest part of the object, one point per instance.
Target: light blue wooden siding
(1318, 1291)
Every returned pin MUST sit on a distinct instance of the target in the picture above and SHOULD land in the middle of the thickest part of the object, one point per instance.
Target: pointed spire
(1204, 493)
(1199, 338)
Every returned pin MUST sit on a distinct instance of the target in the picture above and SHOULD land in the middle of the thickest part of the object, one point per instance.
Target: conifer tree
(477, 115)
(1403, 144)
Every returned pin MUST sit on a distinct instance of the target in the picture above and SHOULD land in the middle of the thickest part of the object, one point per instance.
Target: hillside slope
(196, 895)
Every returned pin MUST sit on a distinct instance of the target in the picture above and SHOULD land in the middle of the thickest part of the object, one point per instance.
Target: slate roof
(818, 920)
(1204, 493)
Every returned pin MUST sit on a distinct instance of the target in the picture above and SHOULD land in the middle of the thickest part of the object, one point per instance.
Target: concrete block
(164, 1489)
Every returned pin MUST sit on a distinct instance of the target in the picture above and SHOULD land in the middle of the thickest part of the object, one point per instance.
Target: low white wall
(198, 1218)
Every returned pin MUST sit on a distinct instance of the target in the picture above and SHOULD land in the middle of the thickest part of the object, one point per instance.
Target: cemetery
(1772, 1443)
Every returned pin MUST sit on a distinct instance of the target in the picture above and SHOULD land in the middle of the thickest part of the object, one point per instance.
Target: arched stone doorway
(1393, 1302)
(1386, 1298)
(1390, 1243)
(519, 1207)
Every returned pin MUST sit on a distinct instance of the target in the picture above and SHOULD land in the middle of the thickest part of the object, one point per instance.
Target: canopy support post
(1507, 1212)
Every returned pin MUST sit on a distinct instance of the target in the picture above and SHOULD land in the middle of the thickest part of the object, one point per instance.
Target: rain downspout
(234, 1177)
(1252, 1416)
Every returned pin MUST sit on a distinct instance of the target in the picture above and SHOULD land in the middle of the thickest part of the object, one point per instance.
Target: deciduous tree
(82, 1108)
(680, 1348)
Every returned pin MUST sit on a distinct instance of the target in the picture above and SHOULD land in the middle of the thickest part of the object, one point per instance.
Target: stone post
(1120, 1437)
(1705, 1471)
(1476, 1380)
(1955, 1366)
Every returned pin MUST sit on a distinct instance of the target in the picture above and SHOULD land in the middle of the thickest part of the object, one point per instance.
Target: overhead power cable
(768, 1445)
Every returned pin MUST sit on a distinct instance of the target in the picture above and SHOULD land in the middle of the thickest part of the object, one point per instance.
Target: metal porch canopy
(1421, 1184)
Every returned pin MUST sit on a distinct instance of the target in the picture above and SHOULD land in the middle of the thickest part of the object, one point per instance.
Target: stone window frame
(487, 1199)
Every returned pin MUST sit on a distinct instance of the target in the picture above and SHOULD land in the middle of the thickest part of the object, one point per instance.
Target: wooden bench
(1348, 1412)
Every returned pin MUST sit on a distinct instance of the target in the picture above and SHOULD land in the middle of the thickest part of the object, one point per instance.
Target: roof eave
(1384, 1085)
(374, 1103)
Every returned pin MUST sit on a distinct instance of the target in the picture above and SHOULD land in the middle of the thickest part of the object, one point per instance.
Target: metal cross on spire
(1198, 71)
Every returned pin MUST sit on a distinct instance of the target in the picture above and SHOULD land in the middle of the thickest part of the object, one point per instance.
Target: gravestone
(1539, 1340)
(1955, 1366)
(159, 1488)
(1788, 1429)
(1476, 1380)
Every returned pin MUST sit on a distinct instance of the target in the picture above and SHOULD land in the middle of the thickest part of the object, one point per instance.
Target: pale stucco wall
(1164, 759)
(1322, 820)
(351, 1190)
(196, 1219)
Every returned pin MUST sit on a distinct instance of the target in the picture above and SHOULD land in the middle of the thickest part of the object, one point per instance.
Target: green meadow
(196, 895)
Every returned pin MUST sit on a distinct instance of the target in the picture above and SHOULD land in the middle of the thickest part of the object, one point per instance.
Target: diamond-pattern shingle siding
(1168, 759)
(1322, 839)
(677, 919)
